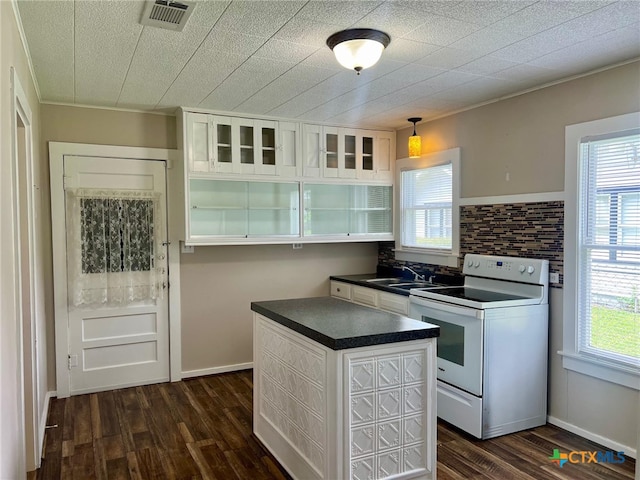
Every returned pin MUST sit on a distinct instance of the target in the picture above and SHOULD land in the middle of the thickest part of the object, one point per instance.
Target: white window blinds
(609, 248)
(427, 199)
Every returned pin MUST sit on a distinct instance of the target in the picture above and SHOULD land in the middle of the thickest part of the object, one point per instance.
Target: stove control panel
(527, 270)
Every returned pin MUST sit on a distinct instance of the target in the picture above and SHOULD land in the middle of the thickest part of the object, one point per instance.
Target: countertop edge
(350, 342)
(295, 326)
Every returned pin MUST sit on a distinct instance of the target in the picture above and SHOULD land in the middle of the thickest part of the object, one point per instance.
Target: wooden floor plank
(201, 428)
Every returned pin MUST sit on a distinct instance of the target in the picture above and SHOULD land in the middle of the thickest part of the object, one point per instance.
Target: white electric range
(492, 349)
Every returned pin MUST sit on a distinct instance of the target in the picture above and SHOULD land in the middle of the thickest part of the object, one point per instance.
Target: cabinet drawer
(393, 303)
(341, 290)
(365, 296)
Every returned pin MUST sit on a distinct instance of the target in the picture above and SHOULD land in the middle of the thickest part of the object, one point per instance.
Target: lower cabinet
(390, 302)
(366, 412)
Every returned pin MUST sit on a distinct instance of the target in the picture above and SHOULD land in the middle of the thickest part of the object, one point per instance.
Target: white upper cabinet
(198, 142)
(288, 150)
(377, 150)
(230, 145)
(333, 152)
(249, 180)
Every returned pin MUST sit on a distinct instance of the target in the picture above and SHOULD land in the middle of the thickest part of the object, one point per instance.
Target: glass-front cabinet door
(331, 153)
(366, 144)
(217, 208)
(348, 153)
(370, 211)
(347, 210)
(221, 144)
(266, 133)
(326, 209)
(244, 149)
(231, 208)
(377, 150)
(273, 209)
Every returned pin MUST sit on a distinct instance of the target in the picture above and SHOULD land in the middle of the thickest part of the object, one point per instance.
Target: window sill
(593, 367)
(442, 259)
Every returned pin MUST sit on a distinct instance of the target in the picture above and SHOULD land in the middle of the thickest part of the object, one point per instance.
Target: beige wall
(524, 136)
(12, 54)
(219, 284)
(107, 127)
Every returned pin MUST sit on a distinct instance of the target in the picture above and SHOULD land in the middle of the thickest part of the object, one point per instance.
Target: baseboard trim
(594, 437)
(212, 371)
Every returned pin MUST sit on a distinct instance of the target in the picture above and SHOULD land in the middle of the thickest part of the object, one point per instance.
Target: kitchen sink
(385, 281)
(408, 285)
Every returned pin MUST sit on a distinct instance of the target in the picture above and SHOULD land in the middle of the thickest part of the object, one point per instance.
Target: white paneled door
(116, 272)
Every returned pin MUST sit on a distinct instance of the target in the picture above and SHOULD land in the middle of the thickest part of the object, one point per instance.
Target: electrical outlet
(186, 248)
(554, 277)
(296, 246)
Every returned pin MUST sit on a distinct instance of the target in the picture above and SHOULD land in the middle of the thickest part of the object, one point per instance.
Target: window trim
(572, 358)
(447, 258)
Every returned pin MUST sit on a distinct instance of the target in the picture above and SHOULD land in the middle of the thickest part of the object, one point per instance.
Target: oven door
(460, 341)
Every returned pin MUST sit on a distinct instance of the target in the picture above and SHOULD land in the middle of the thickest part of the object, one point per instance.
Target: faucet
(417, 276)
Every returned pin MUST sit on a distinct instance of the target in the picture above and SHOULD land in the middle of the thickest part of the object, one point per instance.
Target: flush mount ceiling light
(415, 142)
(358, 48)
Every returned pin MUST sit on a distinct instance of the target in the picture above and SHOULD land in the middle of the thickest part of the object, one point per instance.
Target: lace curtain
(114, 245)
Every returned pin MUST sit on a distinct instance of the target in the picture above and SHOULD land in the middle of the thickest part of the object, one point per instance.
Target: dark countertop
(362, 281)
(340, 325)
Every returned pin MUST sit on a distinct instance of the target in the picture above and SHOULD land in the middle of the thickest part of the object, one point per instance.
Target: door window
(115, 239)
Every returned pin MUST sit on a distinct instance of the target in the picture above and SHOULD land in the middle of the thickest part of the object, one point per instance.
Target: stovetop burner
(476, 295)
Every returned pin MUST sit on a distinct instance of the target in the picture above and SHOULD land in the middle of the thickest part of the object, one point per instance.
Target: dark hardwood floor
(201, 429)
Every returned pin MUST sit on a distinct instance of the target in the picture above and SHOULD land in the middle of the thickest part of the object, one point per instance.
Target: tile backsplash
(534, 230)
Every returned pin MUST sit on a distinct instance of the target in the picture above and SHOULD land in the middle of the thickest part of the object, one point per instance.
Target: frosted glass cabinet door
(217, 208)
(230, 208)
(371, 210)
(326, 209)
(274, 209)
(347, 210)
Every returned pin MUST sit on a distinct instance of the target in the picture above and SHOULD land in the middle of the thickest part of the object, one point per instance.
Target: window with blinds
(427, 203)
(609, 247)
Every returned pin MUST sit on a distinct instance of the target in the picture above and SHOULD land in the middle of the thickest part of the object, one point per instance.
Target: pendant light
(358, 48)
(415, 142)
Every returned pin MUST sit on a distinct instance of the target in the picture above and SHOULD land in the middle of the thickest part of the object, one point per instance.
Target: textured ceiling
(270, 58)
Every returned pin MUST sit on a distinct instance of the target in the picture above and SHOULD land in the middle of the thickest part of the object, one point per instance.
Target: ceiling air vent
(166, 14)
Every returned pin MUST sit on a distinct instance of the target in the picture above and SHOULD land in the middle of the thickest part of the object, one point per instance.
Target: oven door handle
(446, 307)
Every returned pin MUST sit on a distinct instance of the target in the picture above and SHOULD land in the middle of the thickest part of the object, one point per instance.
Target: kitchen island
(344, 391)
